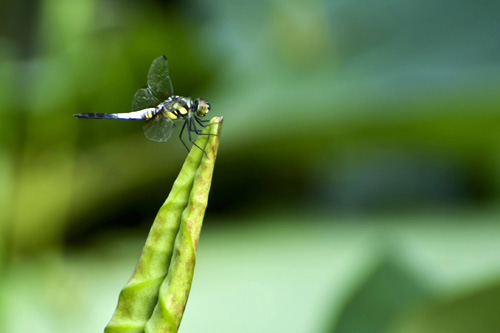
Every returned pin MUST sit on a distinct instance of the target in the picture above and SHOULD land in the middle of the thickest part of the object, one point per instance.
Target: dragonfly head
(202, 107)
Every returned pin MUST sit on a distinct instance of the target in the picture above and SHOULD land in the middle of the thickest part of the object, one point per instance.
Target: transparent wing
(159, 129)
(144, 99)
(158, 79)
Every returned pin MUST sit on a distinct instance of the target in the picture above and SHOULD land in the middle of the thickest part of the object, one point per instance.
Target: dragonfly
(157, 105)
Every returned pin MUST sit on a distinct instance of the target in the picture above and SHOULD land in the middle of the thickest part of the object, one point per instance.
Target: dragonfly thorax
(177, 107)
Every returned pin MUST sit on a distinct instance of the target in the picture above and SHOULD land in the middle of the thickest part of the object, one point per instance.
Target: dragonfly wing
(144, 99)
(158, 79)
(159, 129)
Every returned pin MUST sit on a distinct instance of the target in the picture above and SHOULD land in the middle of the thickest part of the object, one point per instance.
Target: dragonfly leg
(207, 121)
(180, 134)
(190, 129)
(202, 125)
(195, 129)
(202, 122)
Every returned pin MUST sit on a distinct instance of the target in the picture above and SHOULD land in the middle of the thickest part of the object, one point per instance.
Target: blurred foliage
(379, 118)
(472, 312)
(388, 292)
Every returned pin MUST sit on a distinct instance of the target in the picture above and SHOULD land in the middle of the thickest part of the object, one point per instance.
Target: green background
(356, 187)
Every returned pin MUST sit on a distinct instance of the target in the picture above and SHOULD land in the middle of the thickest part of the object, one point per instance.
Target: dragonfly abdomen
(137, 115)
(97, 115)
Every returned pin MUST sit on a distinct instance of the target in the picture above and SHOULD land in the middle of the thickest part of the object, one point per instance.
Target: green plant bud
(175, 288)
(138, 298)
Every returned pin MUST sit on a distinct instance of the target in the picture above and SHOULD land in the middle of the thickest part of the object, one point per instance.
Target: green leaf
(184, 209)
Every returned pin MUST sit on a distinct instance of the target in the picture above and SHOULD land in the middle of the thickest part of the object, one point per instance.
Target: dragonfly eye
(202, 107)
